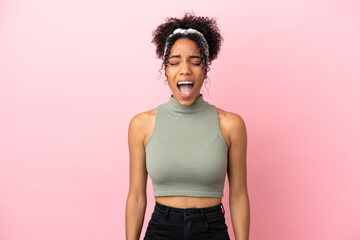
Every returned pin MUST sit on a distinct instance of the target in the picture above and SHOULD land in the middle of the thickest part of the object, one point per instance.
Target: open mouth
(185, 88)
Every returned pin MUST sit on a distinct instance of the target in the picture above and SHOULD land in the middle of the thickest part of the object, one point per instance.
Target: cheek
(170, 73)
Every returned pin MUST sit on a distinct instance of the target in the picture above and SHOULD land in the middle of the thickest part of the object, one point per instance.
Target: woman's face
(184, 66)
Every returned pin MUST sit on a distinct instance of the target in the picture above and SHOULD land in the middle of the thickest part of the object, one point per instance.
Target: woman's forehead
(185, 47)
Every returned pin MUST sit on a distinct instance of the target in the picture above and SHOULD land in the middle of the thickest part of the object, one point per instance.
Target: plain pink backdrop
(73, 74)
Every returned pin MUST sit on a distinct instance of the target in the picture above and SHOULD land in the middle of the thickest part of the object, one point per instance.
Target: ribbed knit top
(186, 154)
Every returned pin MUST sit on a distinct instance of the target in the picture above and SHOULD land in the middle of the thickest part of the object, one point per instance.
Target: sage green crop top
(186, 154)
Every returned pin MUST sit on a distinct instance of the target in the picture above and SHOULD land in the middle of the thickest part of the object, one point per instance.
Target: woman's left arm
(238, 196)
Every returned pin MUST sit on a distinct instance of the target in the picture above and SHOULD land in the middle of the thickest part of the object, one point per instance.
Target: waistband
(189, 215)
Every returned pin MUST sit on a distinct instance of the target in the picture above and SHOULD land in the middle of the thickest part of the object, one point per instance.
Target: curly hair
(207, 26)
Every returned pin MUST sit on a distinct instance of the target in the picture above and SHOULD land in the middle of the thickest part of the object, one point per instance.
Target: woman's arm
(136, 200)
(238, 199)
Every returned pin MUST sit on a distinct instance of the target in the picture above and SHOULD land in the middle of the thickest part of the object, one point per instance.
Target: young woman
(187, 146)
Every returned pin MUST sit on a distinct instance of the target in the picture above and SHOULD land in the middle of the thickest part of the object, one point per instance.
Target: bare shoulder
(232, 125)
(230, 119)
(142, 118)
(142, 123)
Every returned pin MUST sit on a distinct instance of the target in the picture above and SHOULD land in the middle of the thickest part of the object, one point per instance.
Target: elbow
(238, 196)
(137, 197)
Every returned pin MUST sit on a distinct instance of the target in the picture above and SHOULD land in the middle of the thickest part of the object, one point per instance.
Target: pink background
(73, 74)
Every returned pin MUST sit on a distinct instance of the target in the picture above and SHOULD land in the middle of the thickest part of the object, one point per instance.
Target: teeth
(185, 82)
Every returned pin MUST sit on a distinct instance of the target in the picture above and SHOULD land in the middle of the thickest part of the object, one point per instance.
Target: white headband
(185, 32)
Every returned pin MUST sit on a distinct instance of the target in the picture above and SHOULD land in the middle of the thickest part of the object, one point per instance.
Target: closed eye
(173, 64)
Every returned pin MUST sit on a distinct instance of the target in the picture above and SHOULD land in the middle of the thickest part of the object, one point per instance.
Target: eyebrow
(178, 56)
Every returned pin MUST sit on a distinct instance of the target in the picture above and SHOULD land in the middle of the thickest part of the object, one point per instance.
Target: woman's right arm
(136, 200)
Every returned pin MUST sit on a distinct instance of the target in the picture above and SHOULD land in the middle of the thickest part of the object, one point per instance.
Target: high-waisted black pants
(169, 223)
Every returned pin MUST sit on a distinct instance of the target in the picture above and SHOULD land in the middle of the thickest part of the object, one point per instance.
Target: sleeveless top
(186, 154)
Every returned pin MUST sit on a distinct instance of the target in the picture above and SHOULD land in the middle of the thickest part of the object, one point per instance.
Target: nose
(185, 68)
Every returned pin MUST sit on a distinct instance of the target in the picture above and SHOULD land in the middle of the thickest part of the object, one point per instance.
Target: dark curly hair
(207, 26)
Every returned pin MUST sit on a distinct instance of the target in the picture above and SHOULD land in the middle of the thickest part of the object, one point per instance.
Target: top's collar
(175, 105)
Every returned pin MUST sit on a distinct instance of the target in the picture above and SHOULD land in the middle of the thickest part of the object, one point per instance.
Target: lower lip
(187, 95)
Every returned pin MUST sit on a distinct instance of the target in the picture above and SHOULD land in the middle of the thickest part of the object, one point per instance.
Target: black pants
(169, 223)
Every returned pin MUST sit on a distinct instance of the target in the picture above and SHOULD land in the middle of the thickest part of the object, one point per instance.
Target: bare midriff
(188, 202)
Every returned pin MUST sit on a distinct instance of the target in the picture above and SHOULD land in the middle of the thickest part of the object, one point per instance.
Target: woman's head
(187, 47)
